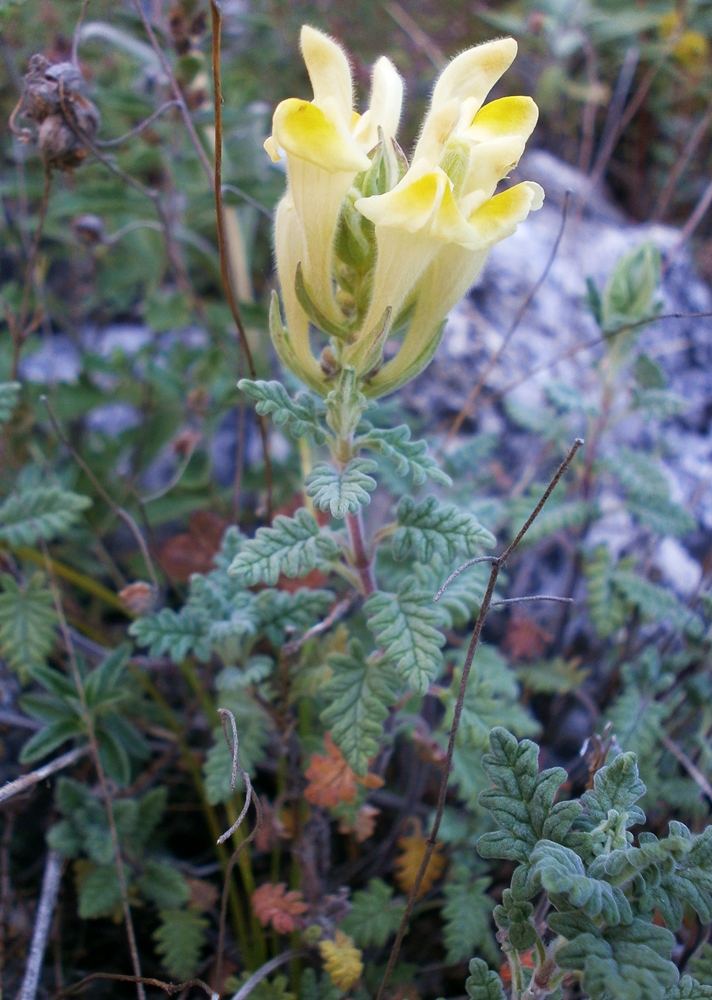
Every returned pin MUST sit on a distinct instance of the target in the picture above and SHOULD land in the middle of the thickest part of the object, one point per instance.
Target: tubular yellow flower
(367, 245)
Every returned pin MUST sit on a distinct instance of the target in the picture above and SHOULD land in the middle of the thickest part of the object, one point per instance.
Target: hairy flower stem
(362, 563)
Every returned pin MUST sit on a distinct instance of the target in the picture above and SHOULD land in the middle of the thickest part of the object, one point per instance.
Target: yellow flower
(342, 960)
(368, 246)
(691, 48)
(325, 145)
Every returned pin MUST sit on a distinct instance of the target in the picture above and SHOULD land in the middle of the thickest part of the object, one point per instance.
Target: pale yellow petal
(329, 70)
(307, 132)
(411, 205)
(498, 217)
(490, 162)
(474, 72)
(384, 106)
(507, 116)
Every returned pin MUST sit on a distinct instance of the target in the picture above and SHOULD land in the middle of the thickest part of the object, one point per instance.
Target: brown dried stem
(20, 333)
(22, 784)
(477, 389)
(43, 918)
(497, 564)
(216, 178)
(106, 794)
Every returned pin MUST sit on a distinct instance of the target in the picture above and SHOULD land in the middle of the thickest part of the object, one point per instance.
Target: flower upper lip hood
(366, 244)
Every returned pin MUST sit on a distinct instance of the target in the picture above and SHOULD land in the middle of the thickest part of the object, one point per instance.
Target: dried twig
(118, 511)
(689, 765)
(216, 178)
(497, 564)
(250, 796)
(43, 918)
(20, 332)
(479, 385)
(169, 988)
(265, 970)
(534, 597)
(335, 615)
(690, 226)
(106, 795)
(416, 34)
(137, 129)
(680, 165)
(21, 784)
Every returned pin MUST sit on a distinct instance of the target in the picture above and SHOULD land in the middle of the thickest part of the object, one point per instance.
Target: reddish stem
(362, 564)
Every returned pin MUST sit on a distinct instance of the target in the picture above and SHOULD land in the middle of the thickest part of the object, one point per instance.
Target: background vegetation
(130, 460)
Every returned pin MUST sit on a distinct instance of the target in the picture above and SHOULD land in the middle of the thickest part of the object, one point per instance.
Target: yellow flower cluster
(368, 246)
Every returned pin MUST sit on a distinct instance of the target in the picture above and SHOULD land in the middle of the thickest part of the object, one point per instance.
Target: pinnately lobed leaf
(405, 626)
(27, 622)
(39, 512)
(9, 395)
(358, 696)
(293, 546)
(341, 492)
(430, 527)
(409, 456)
(299, 415)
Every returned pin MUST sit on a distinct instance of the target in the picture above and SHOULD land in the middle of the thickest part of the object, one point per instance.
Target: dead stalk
(22, 784)
(106, 794)
(497, 564)
(43, 919)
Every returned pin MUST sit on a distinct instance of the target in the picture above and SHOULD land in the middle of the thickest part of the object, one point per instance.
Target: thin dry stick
(265, 970)
(137, 129)
(416, 34)
(497, 565)
(691, 225)
(689, 765)
(21, 784)
(94, 746)
(175, 89)
(479, 385)
(43, 918)
(77, 33)
(118, 511)
(250, 796)
(169, 988)
(534, 597)
(680, 165)
(222, 238)
(588, 123)
(590, 344)
(335, 615)
(19, 339)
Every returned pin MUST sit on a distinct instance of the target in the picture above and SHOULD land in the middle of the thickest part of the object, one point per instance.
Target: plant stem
(361, 561)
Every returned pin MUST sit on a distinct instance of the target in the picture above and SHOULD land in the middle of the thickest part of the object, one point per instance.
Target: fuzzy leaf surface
(9, 394)
(358, 694)
(409, 456)
(374, 915)
(300, 415)
(341, 492)
(27, 622)
(430, 527)
(39, 512)
(293, 546)
(405, 625)
(482, 983)
(180, 939)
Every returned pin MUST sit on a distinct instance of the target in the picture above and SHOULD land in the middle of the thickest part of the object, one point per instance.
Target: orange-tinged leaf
(525, 638)
(408, 863)
(272, 904)
(331, 780)
(363, 825)
(342, 960)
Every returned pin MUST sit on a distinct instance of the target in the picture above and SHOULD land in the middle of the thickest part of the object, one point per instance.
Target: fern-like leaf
(405, 625)
(467, 912)
(409, 456)
(174, 634)
(293, 546)
(482, 984)
(374, 916)
(27, 622)
(341, 492)
(299, 415)
(180, 939)
(359, 694)
(9, 394)
(39, 512)
(429, 528)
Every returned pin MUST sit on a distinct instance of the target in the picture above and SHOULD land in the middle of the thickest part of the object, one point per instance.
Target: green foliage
(9, 395)
(374, 915)
(293, 546)
(409, 456)
(358, 696)
(180, 939)
(405, 626)
(39, 512)
(630, 291)
(341, 492)
(60, 710)
(300, 415)
(27, 622)
(432, 528)
(648, 494)
(174, 634)
(482, 984)
(467, 913)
